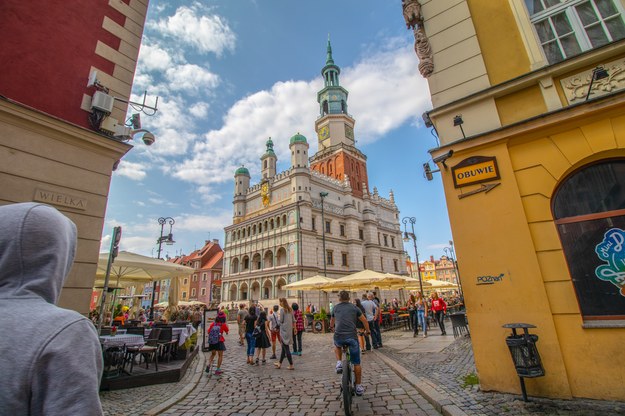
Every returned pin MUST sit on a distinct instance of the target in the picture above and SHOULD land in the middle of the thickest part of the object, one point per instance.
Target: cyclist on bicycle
(344, 318)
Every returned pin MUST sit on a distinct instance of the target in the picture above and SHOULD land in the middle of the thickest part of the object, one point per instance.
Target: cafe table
(121, 340)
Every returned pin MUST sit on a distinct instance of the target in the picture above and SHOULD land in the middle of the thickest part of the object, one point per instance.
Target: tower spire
(329, 60)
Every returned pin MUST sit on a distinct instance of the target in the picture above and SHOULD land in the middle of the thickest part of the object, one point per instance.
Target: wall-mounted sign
(489, 280)
(476, 169)
(612, 251)
(57, 198)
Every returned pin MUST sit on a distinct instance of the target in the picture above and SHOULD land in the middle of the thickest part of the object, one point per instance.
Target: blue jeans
(354, 349)
(421, 321)
(251, 344)
(374, 328)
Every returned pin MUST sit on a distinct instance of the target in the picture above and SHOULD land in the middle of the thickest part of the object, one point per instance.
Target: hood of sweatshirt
(37, 248)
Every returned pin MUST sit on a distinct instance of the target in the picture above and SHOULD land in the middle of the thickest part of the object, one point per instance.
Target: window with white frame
(203, 291)
(568, 27)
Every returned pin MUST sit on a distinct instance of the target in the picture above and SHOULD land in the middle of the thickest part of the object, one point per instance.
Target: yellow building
(529, 108)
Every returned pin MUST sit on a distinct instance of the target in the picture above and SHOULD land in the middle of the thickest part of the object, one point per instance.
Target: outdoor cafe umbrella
(316, 282)
(358, 280)
(135, 268)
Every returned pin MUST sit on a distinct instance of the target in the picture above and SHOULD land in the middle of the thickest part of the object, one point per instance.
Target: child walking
(216, 342)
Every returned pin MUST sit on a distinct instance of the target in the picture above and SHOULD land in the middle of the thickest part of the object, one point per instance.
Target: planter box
(321, 326)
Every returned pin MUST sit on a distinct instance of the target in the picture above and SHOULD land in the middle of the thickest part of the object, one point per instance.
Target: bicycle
(348, 389)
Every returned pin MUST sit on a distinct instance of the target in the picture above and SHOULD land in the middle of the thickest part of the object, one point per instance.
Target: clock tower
(337, 155)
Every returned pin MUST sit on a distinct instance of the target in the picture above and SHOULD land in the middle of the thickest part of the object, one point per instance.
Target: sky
(228, 74)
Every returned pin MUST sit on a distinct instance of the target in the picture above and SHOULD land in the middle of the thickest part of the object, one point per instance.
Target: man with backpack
(216, 342)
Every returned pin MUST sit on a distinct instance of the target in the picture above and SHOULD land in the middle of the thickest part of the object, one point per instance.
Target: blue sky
(229, 74)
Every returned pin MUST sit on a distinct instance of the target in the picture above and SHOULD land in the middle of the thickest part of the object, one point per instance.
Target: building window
(328, 227)
(203, 277)
(342, 230)
(193, 292)
(588, 212)
(568, 28)
(385, 240)
(195, 277)
(361, 234)
(184, 295)
(392, 241)
(344, 259)
(364, 262)
(185, 281)
(396, 265)
(382, 263)
(313, 223)
(203, 291)
(329, 257)
(379, 239)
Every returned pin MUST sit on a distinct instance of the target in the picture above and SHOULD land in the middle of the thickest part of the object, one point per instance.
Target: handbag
(257, 331)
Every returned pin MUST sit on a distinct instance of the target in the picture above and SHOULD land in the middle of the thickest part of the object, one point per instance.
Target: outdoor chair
(459, 324)
(148, 352)
(113, 358)
(135, 330)
(166, 344)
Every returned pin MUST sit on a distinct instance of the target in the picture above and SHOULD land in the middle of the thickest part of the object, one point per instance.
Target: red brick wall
(47, 48)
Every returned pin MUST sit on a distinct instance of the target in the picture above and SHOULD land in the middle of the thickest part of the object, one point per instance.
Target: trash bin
(524, 353)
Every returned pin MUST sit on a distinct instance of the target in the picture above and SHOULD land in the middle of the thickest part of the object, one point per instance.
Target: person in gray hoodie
(50, 358)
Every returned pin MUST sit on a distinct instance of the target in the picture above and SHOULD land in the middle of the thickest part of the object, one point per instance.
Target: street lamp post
(452, 255)
(167, 239)
(407, 237)
(323, 231)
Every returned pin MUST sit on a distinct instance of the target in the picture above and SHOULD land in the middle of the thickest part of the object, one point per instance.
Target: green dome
(298, 138)
(242, 171)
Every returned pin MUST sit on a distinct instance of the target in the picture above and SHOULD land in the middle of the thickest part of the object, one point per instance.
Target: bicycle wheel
(346, 387)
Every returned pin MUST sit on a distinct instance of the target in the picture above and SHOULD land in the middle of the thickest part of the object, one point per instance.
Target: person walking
(412, 310)
(274, 327)
(360, 328)
(371, 313)
(286, 333)
(57, 371)
(216, 342)
(241, 314)
(439, 308)
(262, 340)
(298, 330)
(250, 323)
(421, 306)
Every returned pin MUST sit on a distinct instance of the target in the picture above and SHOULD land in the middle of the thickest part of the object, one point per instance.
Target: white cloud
(154, 58)
(191, 78)
(199, 109)
(132, 170)
(206, 33)
(386, 90)
(204, 222)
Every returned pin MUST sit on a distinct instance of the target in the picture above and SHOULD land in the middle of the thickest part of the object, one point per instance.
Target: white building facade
(317, 217)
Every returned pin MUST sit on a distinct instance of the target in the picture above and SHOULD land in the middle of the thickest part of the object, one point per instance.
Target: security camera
(442, 158)
(148, 138)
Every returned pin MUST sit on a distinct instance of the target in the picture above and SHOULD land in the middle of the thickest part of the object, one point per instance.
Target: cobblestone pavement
(311, 389)
(445, 372)
(140, 400)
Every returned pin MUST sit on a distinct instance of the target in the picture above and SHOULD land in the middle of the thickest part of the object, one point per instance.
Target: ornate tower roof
(332, 98)
(242, 171)
(298, 138)
(269, 151)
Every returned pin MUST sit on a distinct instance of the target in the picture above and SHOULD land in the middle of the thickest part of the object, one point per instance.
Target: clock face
(324, 132)
(349, 132)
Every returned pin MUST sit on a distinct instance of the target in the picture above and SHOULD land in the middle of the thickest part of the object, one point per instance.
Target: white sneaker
(339, 367)
(360, 389)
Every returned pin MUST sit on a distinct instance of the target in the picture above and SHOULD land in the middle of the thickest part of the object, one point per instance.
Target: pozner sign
(476, 169)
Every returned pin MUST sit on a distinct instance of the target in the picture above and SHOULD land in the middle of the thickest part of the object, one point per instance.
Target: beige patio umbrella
(174, 293)
(358, 280)
(434, 284)
(131, 268)
(316, 282)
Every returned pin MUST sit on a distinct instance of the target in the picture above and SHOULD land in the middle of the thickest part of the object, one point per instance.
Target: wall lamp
(597, 74)
(459, 122)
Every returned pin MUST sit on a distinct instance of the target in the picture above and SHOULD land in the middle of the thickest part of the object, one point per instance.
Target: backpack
(213, 334)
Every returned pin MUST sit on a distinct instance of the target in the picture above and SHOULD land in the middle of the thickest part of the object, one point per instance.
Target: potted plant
(320, 321)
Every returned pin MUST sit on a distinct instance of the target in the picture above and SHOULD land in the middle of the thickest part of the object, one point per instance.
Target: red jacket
(439, 305)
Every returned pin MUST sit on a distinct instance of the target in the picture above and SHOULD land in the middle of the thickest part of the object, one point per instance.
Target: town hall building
(319, 217)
